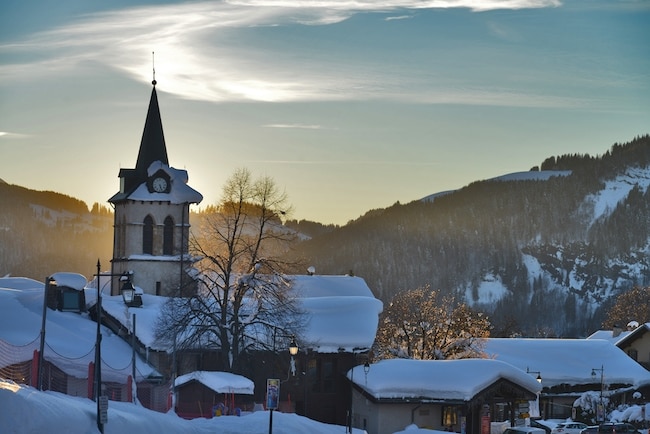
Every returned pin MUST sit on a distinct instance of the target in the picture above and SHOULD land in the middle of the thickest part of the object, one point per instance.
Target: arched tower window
(168, 236)
(147, 236)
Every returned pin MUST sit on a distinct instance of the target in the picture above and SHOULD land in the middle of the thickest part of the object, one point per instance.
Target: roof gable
(441, 380)
(220, 382)
(578, 357)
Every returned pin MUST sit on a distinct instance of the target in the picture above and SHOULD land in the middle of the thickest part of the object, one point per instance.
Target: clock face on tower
(159, 185)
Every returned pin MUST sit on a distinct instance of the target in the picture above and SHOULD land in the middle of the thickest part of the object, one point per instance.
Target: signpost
(103, 409)
(272, 398)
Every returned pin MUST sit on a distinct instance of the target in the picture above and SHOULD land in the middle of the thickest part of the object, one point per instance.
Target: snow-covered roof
(444, 380)
(146, 316)
(71, 280)
(179, 192)
(342, 313)
(569, 361)
(619, 338)
(70, 337)
(330, 286)
(220, 382)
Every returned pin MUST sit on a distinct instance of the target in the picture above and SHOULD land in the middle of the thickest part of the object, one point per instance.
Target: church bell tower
(151, 227)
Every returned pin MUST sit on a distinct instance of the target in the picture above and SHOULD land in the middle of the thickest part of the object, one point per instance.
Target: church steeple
(152, 146)
(151, 226)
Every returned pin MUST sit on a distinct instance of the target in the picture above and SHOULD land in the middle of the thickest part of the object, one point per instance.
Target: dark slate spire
(152, 146)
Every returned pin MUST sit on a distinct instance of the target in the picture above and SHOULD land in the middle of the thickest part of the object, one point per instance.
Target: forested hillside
(43, 232)
(542, 253)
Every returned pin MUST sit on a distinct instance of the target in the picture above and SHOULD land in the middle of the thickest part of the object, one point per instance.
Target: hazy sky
(349, 105)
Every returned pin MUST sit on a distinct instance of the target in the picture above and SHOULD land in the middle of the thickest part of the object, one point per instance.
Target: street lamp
(539, 375)
(537, 400)
(366, 369)
(102, 401)
(131, 299)
(293, 346)
(98, 356)
(601, 409)
(41, 359)
(293, 350)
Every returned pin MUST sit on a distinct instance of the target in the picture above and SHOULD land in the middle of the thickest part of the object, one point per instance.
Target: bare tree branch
(243, 296)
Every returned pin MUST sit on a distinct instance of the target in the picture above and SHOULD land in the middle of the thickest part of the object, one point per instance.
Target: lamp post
(131, 299)
(102, 401)
(539, 380)
(293, 350)
(41, 359)
(98, 350)
(601, 410)
(366, 369)
(539, 375)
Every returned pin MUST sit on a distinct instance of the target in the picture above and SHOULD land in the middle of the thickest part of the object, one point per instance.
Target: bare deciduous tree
(243, 295)
(422, 324)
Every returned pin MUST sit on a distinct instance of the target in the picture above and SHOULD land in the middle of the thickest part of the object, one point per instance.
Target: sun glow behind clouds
(198, 58)
(372, 5)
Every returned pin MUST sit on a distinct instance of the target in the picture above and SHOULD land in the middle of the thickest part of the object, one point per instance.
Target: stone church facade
(151, 227)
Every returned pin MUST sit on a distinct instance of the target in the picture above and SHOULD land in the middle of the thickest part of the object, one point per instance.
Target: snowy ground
(25, 410)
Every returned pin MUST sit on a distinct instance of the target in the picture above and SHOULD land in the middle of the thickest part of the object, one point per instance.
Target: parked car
(537, 424)
(617, 428)
(590, 430)
(569, 428)
(524, 430)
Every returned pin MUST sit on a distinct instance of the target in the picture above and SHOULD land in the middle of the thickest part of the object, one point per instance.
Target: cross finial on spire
(153, 63)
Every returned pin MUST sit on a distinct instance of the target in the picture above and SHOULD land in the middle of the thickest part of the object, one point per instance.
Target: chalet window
(168, 237)
(147, 236)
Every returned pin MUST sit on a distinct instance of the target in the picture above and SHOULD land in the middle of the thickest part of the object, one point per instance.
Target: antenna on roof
(153, 64)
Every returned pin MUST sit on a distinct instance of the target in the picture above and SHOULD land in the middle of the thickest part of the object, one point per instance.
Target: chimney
(616, 331)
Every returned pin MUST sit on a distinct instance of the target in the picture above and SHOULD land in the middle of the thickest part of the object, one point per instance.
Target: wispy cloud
(296, 126)
(8, 135)
(501, 32)
(400, 17)
(372, 5)
(197, 57)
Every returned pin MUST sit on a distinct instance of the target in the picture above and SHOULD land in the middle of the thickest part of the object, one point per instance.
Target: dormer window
(62, 297)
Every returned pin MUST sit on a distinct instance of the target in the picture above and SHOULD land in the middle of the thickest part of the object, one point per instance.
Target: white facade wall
(642, 347)
(155, 273)
(388, 418)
